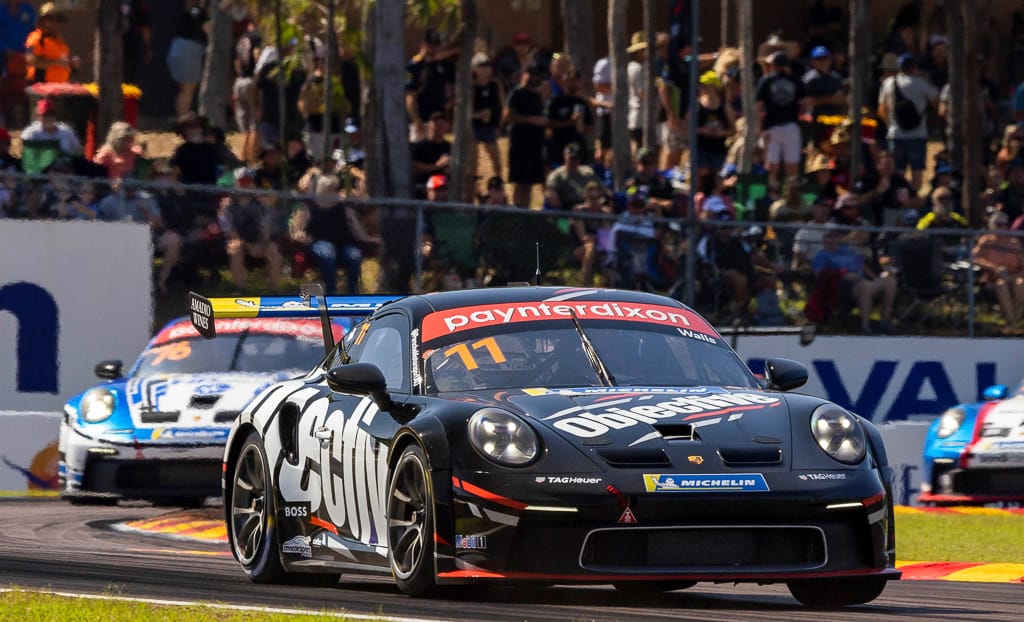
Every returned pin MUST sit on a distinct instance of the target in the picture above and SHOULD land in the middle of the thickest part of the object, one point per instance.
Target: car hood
(648, 427)
(194, 400)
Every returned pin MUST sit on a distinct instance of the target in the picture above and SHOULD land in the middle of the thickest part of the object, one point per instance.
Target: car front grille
(707, 549)
(989, 482)
(149, 477)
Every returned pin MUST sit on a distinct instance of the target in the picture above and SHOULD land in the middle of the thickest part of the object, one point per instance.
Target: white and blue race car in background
(974, 453)
(158, 432)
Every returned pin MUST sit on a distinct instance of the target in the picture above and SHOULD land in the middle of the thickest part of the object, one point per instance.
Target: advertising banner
(28, 452)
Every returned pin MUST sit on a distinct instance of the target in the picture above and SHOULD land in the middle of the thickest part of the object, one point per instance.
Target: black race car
(555, 435)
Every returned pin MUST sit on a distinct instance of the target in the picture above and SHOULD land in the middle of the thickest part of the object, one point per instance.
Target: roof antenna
(538, 263)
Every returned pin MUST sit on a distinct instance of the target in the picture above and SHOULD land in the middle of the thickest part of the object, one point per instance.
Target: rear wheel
(252, 530)
(411, 524)
(834, 593)
(649, 588)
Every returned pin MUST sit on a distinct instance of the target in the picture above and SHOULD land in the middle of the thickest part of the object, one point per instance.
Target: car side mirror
(108, 370)
(995, 392)
(361, 379)
(784, 374)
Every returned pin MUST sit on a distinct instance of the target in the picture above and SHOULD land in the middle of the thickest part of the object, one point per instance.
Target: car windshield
(244, 352)
(551, 354)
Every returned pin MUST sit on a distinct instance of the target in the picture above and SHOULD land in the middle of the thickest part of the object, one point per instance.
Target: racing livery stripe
(979, 424)
(310, 329)
(441, 323)
(486, 494)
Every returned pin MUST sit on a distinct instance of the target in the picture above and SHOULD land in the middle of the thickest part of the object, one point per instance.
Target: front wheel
(410, 517)
(835, 593)
(252, 530)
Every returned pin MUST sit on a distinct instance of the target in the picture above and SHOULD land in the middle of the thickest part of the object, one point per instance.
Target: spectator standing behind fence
(185, 56)
(488, 108)
(334, 234)
(431, 155)
(48, 56)
(196, 159)
(247, 232)
(603, 102)
(313, 104)
(119, 151)
(268, 111)
(570, 119)
(136, 40)
(243, 91)
(780, 102)
(429, 85)
(636, 80)
(1001, 258)
(512, 62)
(902, 103)
(17, 20)
(46, 127)
(526, 135)
(715, 124)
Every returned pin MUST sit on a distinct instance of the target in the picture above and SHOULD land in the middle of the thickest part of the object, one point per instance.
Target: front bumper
(814, 529)
(950, 483)
(97, 467)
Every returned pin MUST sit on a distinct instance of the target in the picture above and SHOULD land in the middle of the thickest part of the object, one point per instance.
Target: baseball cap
(636, 194)
(944, 169)
(779, 59)
(437, 181)
(820, 52)
(907, 61)
(521, 37)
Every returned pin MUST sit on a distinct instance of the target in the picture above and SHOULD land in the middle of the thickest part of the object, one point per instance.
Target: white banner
(71, 294)
(890, 379)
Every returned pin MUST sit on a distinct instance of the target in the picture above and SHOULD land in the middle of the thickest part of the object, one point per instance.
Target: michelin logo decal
(712, 482)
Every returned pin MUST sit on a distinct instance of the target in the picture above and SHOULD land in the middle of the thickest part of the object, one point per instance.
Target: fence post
(418, 251)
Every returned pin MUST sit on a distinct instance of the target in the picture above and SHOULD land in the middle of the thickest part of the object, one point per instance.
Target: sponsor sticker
(623, 390)
(475, 543)
(296, 510)
(190, 433)
(718, 482)
(596, 423)
(566, 479)
(309, 329)
(447, 322)
(821, 477)
(299, 545)
(695, 459)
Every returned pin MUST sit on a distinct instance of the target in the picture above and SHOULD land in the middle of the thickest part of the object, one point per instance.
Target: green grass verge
(935, 537)
(25, 606)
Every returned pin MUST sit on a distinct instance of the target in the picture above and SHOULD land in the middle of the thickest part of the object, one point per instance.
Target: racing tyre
(834, 593)
(411, 524)
(650, 588)
(252, 529)
(84, 500)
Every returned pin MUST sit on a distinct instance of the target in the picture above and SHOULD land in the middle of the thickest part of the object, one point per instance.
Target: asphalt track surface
(51, 545)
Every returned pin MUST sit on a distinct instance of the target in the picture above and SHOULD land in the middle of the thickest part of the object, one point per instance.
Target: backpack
(908, 118)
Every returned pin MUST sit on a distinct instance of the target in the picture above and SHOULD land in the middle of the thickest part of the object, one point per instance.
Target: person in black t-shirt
(526, 136)
(429, 83)
(268, 110)
(488, 107)
(196, 159)
(780, 101)
(432, 155)
(570, 119)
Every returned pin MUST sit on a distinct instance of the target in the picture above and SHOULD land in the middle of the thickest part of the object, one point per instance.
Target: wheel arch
(234, 447)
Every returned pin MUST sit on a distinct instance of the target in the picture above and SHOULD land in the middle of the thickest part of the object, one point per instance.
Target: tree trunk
(215, 90)
(386, 139)
(651, 102)
(974, 13)
(859, 52)
(330, 55)
(579, 40)
(109, 67)
(955, 111)
(745, 24)
(724, 32)
(462, 182)
(620, 90)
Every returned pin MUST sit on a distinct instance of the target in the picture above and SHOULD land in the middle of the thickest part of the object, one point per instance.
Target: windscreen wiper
(238, 349)
(603, 374)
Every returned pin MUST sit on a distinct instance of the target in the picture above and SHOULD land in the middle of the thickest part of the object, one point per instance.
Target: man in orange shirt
(47, 54)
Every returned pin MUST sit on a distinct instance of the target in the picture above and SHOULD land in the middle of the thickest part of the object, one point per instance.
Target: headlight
(950, 421)
(503, 437)
(97, 405)
(838, 434)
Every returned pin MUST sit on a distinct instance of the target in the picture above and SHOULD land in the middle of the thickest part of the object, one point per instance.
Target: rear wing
(311, 302)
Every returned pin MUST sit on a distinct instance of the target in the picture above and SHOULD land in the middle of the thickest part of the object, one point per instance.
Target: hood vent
(225, 416)
(158, 416)
(677, 431)
(634, 457)
(203, 401)
(735, 456)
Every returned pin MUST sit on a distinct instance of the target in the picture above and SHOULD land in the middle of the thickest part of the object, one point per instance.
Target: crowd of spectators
(532, 120)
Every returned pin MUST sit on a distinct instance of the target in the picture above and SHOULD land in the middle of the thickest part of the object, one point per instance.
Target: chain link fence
(235, 239)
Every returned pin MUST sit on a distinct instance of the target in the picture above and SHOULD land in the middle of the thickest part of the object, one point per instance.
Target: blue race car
(974, 453)
(158, 432)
